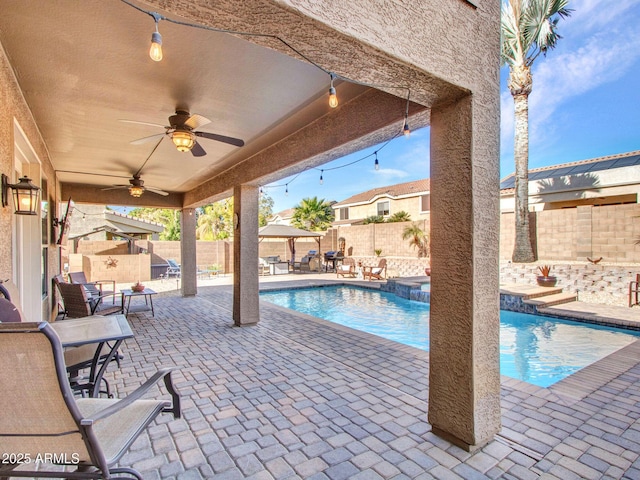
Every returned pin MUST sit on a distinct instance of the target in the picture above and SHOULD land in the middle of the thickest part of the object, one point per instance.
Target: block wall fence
(564, 235)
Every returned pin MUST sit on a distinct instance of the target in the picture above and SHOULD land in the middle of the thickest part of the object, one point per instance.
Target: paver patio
(298, 397)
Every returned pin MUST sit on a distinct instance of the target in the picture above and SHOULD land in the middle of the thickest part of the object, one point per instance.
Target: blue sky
(585, 103)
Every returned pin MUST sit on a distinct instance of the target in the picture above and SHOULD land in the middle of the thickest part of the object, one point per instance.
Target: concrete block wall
(103, 247)
(120, 268)
(573, 234)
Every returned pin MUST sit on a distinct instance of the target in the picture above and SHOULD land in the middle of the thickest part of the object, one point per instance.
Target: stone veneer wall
(601, 283)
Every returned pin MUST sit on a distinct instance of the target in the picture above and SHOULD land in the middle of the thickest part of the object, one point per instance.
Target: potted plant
(546, 280)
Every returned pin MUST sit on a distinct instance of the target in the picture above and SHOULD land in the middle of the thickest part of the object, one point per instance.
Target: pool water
(536, 349)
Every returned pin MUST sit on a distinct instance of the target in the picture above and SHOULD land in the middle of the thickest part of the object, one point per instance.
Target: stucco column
(246, 309)
(188, 267)
(464, 372)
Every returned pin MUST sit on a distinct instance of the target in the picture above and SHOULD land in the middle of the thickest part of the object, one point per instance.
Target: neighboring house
(108, 224)
(610, 180)
(411, 197)
(281, 218)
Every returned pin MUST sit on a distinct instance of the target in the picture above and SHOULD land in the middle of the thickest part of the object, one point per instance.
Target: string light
(286, 189)
(405, 129)
(333, 98)
(155, 52)
(376, 165)
(321, 180)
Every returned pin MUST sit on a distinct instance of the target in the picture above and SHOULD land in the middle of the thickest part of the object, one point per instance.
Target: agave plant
(545, 270)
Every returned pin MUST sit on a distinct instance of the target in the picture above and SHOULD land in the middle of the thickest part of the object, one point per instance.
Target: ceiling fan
(182, 129)
(136, 187)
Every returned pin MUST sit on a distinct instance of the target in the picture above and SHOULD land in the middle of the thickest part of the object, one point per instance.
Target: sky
(585, 103)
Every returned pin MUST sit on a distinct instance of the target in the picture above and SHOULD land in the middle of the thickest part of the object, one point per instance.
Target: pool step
(552, 299)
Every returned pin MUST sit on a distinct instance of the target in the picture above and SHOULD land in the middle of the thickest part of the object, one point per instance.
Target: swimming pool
(535, 349)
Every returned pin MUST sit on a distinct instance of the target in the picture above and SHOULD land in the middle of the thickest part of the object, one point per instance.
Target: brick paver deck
(296, 397)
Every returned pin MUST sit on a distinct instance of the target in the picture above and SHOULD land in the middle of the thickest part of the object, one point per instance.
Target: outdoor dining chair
(41, 416)
(348, 267)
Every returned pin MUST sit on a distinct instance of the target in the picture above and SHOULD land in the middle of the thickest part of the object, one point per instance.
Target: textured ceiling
(84, 66)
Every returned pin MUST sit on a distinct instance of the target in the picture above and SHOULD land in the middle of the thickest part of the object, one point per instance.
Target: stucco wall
(13, 108)
(410, 205)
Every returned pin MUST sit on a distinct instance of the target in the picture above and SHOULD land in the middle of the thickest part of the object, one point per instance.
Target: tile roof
(398, 190)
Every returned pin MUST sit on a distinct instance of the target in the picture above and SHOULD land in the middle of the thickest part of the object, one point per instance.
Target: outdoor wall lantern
(25, 195)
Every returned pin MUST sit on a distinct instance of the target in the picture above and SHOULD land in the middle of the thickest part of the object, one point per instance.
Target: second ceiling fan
(182, 130)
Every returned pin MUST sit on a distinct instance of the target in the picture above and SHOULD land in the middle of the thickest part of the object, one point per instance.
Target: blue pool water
(535, 349)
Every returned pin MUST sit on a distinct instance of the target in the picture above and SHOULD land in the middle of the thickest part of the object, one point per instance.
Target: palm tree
(418, 238)
(528, 29)
(214, 221)
(312, 214)
(400, 216)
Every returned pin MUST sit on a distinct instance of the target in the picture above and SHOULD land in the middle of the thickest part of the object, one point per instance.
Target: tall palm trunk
(520, 84)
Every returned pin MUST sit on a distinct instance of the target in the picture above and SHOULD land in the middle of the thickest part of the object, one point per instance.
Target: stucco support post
(464, 371)
(188, 267)
(246, 306)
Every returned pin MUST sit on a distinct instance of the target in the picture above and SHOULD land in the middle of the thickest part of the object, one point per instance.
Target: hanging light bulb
(286, 189)
(406, 130)
(321, 180)
(333, 98)
(376, 164)
(155, 52)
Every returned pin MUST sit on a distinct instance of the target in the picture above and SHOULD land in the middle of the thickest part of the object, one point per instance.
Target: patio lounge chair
(41, 416)
(78, 303)
(95, 288)
(348, 267)
(173, 268)
(376, 272)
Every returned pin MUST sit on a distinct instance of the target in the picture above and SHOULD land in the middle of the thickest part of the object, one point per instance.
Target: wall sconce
(25, 195)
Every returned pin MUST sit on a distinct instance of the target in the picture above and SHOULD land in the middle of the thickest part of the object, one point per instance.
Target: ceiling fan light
(183, 140)
(136, 191)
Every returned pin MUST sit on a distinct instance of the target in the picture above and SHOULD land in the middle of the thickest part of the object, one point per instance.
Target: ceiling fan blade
(142, 123)
(157, 190)
(221, 138)
(115, 187)
(140, 141)
(197, 150)
(196, 121)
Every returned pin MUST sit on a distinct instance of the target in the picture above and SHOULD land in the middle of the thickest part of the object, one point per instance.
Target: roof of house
(572, 168)
(398, 190)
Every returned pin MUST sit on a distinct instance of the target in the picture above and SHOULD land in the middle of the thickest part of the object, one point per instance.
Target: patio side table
(128, 294)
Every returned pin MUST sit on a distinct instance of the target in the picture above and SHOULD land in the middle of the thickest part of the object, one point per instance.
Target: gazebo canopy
(284, 231)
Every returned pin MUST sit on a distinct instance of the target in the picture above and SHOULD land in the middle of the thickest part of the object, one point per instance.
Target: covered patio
(298, 397)
(78, 87)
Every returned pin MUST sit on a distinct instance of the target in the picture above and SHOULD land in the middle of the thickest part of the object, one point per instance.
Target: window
(383, 208)
(344, 213)
(425, 203)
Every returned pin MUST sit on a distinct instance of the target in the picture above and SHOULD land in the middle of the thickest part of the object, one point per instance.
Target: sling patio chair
(45, 428)
(376, 272)
(95, 288)
(79, 303)
(348, 267)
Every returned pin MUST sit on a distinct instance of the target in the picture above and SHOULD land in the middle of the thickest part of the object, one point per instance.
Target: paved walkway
(297, 397)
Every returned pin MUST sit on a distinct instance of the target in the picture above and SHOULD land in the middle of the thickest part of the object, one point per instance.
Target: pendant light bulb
(406, 130)
(155, 52)
(286, 190)
(376, 164)
(333, 97)
(321, 179)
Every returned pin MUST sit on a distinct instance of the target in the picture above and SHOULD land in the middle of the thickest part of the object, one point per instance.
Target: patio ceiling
(84, 66)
